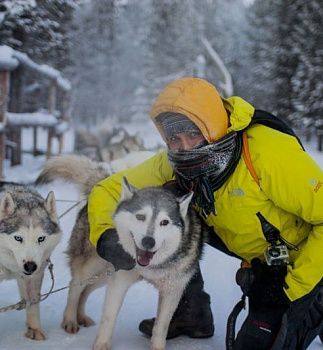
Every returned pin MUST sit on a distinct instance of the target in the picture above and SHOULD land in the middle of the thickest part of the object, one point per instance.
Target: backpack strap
(271, 121)
(247, 158)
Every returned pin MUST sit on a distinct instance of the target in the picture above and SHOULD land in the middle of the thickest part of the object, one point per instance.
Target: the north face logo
(317, 184)
(237, 192)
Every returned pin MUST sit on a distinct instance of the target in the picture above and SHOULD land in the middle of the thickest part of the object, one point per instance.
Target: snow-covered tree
(90, 45)
(287, 57)
(225, 26)
(261, 55)
(38, 28)
(307, 79)
(173, 42)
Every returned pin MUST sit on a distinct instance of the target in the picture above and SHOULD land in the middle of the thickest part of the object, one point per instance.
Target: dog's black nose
(148, 242)
(30, 267)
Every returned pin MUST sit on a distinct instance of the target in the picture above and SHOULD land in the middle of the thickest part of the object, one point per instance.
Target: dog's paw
(85, 321)
(157, 343)
(35, 334)
(70, 326)
(101, 346)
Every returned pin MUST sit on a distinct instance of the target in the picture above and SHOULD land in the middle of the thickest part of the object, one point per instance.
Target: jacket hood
(199, 100)
(240, 112)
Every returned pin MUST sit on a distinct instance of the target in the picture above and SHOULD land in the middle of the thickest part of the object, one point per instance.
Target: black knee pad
(260, 329)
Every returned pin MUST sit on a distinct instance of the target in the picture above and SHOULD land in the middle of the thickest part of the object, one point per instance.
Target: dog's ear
(127, 190)
(7, 206)
(184, 202)
(50, 206)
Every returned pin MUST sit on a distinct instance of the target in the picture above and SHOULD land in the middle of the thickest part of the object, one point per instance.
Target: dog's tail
(75, 169)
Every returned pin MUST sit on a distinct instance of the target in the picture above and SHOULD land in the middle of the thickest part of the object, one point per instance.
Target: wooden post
(16, 138)
(64, 118)
(4, 86)
(51, 110)
(60, 143)
(35, 152)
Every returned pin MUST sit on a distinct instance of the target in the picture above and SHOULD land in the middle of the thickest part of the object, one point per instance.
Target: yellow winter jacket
(290, 196)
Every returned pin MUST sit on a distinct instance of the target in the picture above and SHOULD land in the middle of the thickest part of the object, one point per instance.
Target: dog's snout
(148, 242)
(30, 267)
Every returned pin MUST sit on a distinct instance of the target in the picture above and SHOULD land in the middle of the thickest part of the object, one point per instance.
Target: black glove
(109, 248)
(302, 322)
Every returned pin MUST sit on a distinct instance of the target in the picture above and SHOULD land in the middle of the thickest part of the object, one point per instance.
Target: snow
(7, 61)
(141, 301)
(40, 118)
(130, 160)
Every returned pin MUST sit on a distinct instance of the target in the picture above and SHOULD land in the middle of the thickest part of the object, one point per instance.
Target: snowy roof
(10, 59)
(2, 127)
(40, 118)
(7, 61)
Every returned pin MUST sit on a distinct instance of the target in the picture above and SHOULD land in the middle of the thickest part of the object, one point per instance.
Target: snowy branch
(10, 59)
(226, 85)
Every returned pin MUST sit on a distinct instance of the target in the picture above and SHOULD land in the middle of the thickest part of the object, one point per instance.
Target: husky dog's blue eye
(141, 217)
(18, 238)
(41, 239)
(164, 222)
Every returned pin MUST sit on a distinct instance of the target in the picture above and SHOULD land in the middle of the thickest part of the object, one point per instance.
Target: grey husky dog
(159, 230)
(29, 232)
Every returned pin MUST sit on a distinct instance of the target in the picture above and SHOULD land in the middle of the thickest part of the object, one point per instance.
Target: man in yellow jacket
(247, 179)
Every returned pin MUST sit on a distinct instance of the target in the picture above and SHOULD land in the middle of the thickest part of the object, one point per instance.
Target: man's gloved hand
(267, 285)
(302, 322)
(110, 249)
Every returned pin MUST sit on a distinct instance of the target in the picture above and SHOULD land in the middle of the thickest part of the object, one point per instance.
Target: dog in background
(105, 144)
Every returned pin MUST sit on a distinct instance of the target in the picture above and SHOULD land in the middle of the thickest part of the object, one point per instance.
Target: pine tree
(174, 44)
(306, 82)
(92, 52)
(286, 58)
(39, 29)
(261, 54)
(225, 26)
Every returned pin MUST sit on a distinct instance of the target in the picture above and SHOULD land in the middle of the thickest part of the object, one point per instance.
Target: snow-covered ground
(218, 271)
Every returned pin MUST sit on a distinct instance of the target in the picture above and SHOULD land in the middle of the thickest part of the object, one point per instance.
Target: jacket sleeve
(104, 196)
(294, 182)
